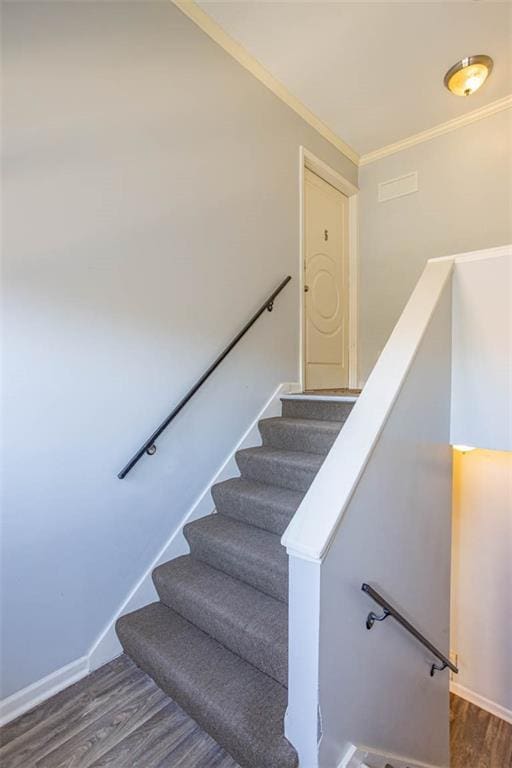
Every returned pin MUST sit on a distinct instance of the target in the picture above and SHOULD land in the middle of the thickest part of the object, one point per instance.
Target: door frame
(339, 182)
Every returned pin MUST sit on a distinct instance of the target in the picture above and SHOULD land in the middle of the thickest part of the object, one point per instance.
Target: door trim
(335, 179)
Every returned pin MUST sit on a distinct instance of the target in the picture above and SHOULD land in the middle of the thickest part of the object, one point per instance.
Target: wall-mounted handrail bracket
(372, 618)
(149, 446)
(437, 668)
(389, 610)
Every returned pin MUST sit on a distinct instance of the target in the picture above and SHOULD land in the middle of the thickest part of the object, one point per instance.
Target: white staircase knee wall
(379, 511)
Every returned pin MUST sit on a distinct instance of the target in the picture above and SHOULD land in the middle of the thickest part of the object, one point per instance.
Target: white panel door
(325, 284)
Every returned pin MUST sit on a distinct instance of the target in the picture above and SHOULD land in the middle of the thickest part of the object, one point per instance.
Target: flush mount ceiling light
(468, 75)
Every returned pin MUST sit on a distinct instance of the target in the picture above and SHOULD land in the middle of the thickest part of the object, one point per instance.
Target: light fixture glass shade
(468, 75)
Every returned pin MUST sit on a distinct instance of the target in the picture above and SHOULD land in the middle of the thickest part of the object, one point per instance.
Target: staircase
(217, 642)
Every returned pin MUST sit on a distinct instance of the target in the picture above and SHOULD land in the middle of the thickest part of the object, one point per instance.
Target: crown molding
(252, 65)
(438, 130)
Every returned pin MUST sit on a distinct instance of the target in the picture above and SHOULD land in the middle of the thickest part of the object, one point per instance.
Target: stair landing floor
(333, 392)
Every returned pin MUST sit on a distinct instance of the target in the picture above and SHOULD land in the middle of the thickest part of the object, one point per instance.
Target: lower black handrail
(149, 446)
(390, 611)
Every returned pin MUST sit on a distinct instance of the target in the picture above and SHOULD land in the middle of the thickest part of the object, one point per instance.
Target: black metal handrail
(149, 446)
(390, 611)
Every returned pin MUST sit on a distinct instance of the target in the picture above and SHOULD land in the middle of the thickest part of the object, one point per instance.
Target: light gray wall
(150, 203)
(464, 203)
(482, 351)
(482, 480)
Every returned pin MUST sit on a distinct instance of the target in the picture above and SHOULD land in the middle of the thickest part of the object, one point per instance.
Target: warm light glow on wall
(482, 574)
(463, 448)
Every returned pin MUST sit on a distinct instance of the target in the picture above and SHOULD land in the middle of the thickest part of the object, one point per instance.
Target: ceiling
(373, 72)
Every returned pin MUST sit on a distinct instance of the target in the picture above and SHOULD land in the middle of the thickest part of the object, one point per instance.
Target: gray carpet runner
(217, 642)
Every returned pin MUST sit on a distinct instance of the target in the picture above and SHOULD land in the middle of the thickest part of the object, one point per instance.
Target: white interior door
(325, 284)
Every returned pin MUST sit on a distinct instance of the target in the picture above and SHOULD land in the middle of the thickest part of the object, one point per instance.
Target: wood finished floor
(118, 718)
(115, 718)
(478, 739)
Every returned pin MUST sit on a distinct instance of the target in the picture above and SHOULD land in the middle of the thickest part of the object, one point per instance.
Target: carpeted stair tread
(243, 551)
(217, 640)
(265, 506)
(245, 620)
(288, 469)
(241, 707)
(306, 435)
(317, 410)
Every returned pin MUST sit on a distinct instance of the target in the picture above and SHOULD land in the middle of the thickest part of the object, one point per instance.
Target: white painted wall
(482, 483)
(464, 203)
(151, 202)
(482, 350)
(482, 578)
(379, 511)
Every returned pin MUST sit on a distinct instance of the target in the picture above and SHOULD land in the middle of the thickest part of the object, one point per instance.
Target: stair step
(306, 435)
(287, 469)
(243, 551)
(245, 620)
(265, 506)
(239, 706)
(316, 409)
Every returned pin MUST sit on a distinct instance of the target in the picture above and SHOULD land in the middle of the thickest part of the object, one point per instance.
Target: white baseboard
(363, 757)
(107, 646)
(474, 698)
(348, 759)
(24, 700)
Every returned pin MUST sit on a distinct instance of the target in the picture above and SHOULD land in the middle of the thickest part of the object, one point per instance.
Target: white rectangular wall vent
(402, 185)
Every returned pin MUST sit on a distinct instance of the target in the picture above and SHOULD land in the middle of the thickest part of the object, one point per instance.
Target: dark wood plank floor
(118, 718)
(478, 739)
